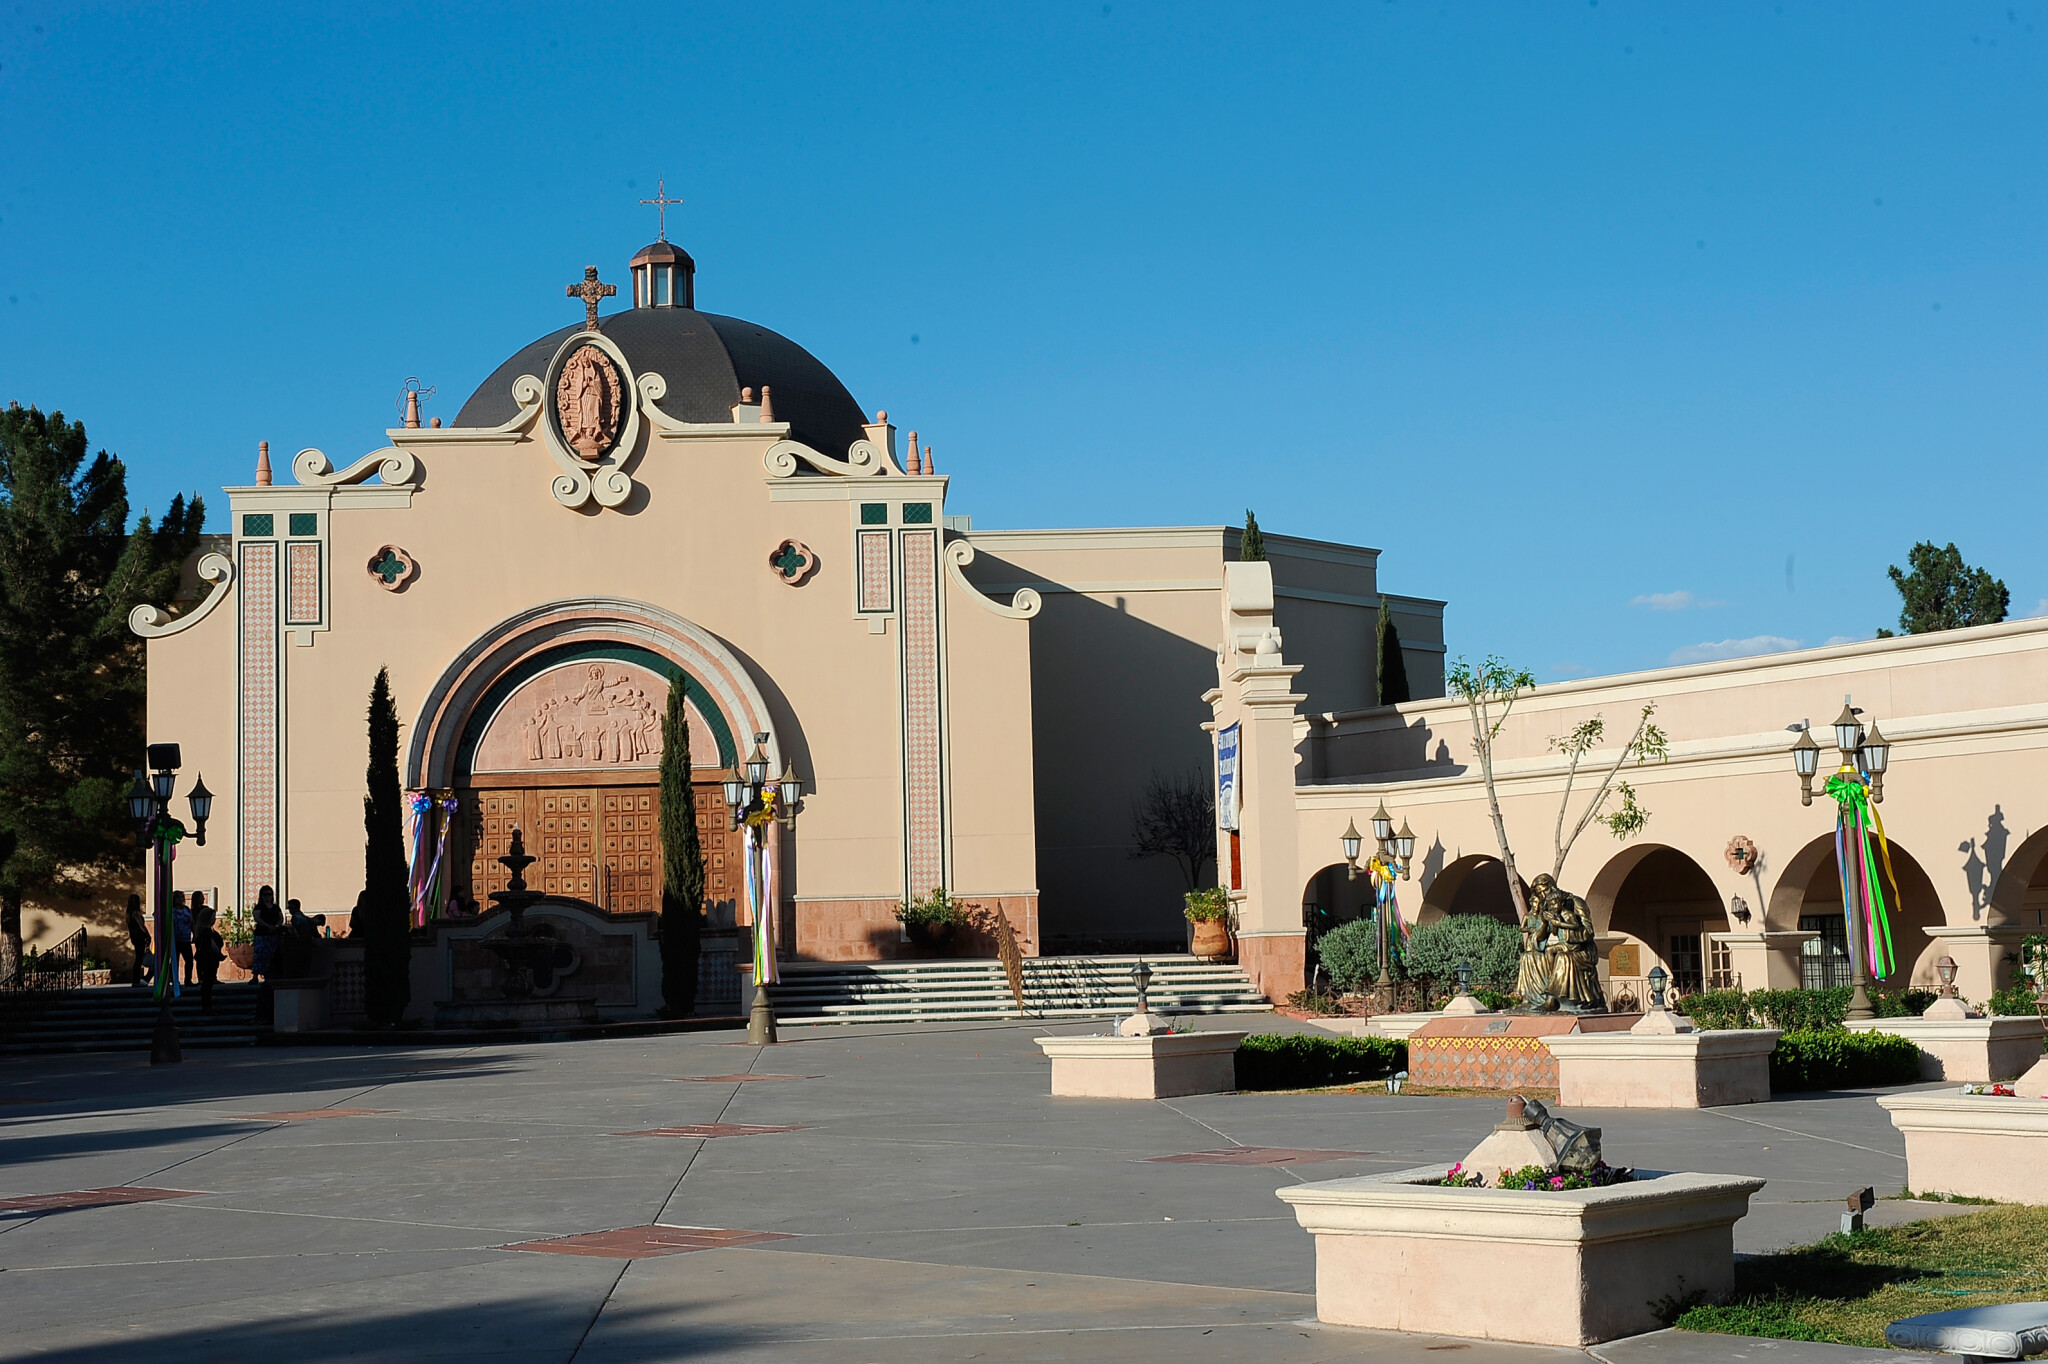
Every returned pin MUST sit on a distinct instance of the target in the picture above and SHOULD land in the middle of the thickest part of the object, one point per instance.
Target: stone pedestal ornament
(1157, 1066)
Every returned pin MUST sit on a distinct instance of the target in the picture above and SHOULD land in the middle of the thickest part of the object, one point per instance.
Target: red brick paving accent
(708, 1129)
(638, 1243)
(737, 1079)
(307, 1114)
(90, 1198)
(1255, 1155)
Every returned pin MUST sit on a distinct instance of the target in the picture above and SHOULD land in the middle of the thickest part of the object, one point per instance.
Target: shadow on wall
(2019, 889)
(1115, 700)
(1474, 884)
(1984, 861)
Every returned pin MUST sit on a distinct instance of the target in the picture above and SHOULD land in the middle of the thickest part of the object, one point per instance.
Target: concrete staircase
(122, 1018)
(1054, 987)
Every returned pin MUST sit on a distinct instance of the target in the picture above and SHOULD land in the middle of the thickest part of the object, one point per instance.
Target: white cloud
(2041, 609)
(1672, 601)
(1832, 640)
(1733, 648)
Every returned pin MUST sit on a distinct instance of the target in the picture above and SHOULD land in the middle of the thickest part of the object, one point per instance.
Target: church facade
(662, 496)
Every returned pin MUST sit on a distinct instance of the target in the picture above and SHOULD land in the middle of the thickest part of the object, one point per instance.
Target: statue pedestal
(1498, 1051)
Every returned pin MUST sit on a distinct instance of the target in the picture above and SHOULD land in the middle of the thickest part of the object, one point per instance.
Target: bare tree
(1490, 690)
(1647, 744)
(1176, 817)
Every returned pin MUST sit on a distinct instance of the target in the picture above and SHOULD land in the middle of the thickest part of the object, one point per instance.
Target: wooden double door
(597, 843)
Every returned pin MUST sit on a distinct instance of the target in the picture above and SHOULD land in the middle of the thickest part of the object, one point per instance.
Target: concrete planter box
(1163, 1066)
(1664, 1070)
(1396, 1026)
(1967, 1050)
(1396, 1254)
(299, 1006)
(1976, 1145)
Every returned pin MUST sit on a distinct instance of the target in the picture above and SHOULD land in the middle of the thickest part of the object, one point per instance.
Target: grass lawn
(1847, 1289)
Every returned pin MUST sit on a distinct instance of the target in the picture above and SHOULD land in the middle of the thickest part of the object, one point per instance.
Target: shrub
(1838, 1059)
(1302, 1061)
(1906, 1003)
(1492, 947)
(1206, 905)
(1800, 1010)
(1351, 954)
(1717, 1009)
(938, 909)
(2013, 1001)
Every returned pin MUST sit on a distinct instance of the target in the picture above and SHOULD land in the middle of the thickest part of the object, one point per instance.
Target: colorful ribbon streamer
(1385, 903)
(1857, 828)
(760, 880)
(168, 834)
(429, 875)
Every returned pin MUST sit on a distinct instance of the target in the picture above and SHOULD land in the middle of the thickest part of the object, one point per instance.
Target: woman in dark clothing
(138, 939)
(181, 930)
(209, 944)
(267, 933)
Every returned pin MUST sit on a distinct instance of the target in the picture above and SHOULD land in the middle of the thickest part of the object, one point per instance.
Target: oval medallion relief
(587, 403)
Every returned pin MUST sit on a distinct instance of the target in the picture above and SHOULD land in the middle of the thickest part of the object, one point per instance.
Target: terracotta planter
(242, 954)
(930, 937)
(1212, 938)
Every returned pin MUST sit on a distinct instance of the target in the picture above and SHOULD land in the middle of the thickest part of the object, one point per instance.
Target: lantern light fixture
(1806, 762)
(1946, 969)
(789, 787)
(1353, 843)
(1404, 847)
(141, 800)
(1382, 823)
(1848, 733)
(1658, 979)
(201, 801)
(757, 762)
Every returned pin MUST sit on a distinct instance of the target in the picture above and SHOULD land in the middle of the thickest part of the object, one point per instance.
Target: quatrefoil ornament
(792, 562)
(392, 569)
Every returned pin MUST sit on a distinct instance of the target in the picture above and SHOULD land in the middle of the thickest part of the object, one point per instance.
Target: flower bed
(1538, 1178)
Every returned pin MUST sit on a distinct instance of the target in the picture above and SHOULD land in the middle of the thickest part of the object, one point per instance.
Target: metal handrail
(61, 968)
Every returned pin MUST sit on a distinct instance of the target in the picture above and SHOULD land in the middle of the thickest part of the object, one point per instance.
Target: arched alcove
(1808, 897)
(1475, 884)
(2020, 894)
(1654, 906)
(1331, 899)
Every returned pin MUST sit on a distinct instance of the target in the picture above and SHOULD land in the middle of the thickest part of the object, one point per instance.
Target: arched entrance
(1471, 885)
(1808, 897)
(551, 724)
(1330, 900)
(2020, 894)
(1652, 906)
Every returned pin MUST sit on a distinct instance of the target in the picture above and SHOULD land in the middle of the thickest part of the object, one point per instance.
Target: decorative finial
(435, 423)
(410, 402)
(747, 395)
(263, 464)
(661, 201)
(590, 291)
(912, 467)
(882, 418)
(927, 461)
(767, 405)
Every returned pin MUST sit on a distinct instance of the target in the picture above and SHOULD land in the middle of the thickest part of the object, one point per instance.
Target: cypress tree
(682, 865)
(71, 673)
(1251, 547)
(383, 918)
(1393, 678)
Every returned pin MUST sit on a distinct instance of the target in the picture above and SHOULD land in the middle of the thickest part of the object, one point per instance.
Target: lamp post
(1865, 756)
(149, 805)
(1659, 977)
(753, 800)
(1390, 860)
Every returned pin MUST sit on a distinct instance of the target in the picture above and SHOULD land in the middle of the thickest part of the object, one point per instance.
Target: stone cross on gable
(590, 291)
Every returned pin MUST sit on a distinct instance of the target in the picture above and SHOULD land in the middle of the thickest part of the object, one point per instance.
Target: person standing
(267, 932)
(181, 927)
(138, 939)
(210, 947)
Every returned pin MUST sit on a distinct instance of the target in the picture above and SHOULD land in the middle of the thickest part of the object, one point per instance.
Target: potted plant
(239, 934)
(1209, 911)
(929, 920)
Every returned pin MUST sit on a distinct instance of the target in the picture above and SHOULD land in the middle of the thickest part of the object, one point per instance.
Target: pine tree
(1251, 547)
(1393, 670)
(383, 917)
(1944, 593)
(72, 690)
(682, 865)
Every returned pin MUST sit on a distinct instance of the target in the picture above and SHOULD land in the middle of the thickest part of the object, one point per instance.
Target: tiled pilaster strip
(923, 794)
(875, 592)
(260, 723)
(302, 578)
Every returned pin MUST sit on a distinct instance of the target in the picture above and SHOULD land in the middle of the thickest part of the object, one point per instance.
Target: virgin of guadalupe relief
(587, 402)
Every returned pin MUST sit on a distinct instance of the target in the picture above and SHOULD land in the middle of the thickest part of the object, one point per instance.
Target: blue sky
(1640, 333)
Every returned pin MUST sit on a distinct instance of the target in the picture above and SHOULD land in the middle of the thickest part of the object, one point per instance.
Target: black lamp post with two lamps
(149, 805)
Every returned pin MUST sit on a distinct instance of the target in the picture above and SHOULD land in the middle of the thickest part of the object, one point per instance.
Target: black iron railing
(61, 968)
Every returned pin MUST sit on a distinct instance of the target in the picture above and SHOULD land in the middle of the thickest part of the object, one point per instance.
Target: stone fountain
(536, 961)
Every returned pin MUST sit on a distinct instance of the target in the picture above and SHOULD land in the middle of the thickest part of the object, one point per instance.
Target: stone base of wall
(1974, 1050)
(1976, 1145)
(1277, 963)
(1664, 1070)
(867, 930)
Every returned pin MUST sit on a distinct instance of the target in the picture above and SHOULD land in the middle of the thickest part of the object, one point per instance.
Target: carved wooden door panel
(631, 850)
(566, 842)
(724, 894)
(493, 815)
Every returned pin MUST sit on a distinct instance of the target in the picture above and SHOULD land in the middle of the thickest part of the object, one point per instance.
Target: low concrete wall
(1967, 1050)
(1162, 1066)
(1976, 1145)
(1664, 1070)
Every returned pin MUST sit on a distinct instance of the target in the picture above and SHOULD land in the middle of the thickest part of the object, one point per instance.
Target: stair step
(954, 990)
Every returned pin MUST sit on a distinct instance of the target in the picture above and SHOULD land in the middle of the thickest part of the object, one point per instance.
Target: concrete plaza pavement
(932, 1203)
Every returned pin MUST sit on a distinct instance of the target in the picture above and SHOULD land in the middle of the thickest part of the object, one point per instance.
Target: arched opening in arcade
(1654, 906)
(2019, 892)
(1330, 900)
(1808, 899)
(1475, 884)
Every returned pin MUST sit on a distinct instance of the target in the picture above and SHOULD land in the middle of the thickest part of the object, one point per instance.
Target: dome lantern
(664, 276)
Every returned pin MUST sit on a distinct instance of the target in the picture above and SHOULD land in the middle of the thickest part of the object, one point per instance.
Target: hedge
(1493, 948)
(1795, 1010)
(1834, 1058)
(1306, 1061)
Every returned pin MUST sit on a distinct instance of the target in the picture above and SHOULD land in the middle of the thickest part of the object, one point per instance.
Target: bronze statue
(1558, 970)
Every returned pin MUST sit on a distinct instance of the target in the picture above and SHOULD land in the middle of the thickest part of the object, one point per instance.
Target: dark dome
(706, 359)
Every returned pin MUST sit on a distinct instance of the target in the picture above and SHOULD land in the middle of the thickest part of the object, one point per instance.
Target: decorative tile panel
(874, 513)
(1519, 1063)
(302, 582)
(259, 779)
(917, 513)
(305, 523)
(923, 796)
(259, 523)
(875, 591)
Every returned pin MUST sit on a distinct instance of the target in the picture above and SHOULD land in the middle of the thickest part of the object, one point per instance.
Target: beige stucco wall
(1965, 808)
